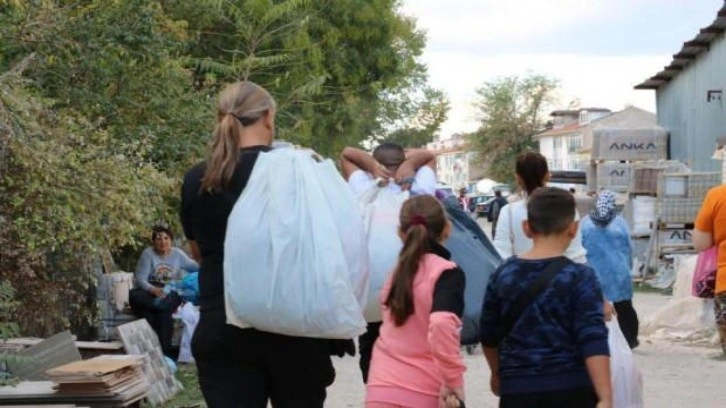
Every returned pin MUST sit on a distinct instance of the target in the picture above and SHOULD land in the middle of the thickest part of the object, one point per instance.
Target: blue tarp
(472, 250)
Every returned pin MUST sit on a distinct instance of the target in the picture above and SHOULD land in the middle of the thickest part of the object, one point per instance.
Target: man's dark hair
(550, 211)
(387, 152)
(497, 193)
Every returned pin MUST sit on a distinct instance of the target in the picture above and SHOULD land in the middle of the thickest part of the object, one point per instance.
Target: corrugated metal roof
(688, 52)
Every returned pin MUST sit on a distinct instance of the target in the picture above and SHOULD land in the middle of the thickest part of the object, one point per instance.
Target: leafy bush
(8, 329)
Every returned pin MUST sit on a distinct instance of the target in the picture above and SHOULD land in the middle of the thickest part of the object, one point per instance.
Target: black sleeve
(190, 189)
(449, 292)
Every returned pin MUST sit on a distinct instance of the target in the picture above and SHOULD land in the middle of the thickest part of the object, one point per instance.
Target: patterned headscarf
(604, 210)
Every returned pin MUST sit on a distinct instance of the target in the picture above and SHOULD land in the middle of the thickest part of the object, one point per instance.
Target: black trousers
(365, 347)
(142, 304)
(246, 368)
(628, 321)
(574, 398)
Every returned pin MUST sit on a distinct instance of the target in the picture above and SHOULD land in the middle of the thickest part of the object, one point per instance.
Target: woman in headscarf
(606, 237)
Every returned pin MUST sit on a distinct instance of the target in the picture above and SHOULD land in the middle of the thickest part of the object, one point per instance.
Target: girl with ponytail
(416, 360)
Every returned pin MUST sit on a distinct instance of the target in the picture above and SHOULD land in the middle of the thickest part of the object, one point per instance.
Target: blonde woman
(242, 367)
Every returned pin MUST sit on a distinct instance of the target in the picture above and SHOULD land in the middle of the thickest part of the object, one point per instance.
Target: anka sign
(630, 144)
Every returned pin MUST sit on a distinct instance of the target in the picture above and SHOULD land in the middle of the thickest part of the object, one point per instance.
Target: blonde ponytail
(240, 104)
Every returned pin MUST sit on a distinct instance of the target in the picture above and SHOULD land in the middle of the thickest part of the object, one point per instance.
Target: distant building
(690, 96)
(455, 165)
(568, 143)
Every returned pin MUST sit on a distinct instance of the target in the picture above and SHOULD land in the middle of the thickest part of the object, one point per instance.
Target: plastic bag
(627, 381)
(171, 364)
(189, 315)
(121, 283)
(190, 288)
(684, 317)
(474, 253)
(704, 276)
(381, 208)
(347, 218)
(293, 249)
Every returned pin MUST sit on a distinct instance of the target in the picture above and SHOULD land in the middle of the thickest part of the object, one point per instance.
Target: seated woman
(158, 266)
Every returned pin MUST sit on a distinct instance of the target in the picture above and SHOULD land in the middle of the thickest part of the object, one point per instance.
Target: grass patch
(191, 395)
(645, 288)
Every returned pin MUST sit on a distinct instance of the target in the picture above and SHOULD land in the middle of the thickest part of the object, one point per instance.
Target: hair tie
(418, 220)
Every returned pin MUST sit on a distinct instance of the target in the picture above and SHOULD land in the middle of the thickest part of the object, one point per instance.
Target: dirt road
(674, 375)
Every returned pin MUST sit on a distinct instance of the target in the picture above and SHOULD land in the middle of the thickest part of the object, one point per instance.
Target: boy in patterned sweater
(542, 323)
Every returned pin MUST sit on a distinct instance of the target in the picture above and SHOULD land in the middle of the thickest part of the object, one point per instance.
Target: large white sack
(381, 208)
(349, 222)
(684, 317)
(627, 381)
(285, 265)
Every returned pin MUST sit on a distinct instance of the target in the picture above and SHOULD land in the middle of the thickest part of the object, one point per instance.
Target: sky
(598, 49)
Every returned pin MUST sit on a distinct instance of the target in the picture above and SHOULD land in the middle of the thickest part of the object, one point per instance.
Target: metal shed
(690, 100)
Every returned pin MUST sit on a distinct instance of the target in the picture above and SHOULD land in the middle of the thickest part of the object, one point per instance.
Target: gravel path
(674, 375)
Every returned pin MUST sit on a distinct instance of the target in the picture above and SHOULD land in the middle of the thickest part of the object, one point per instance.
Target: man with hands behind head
(399, 170)
(412, 169)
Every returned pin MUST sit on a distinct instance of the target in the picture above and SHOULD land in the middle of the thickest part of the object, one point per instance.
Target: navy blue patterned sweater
(547, 347)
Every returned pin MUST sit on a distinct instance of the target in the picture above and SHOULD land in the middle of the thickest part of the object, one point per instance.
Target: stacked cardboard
(117, 377)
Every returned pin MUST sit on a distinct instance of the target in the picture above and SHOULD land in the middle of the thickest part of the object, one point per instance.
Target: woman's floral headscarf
(604, 210)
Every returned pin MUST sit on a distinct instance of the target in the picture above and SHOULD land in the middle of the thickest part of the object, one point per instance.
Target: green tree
(66, 197)
(423, 119)
(118, 64)
(8, 329)
(511, 111)
(331, 65)
(104, 103)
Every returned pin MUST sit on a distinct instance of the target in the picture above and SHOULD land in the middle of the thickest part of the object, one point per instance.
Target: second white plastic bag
(627, 381)
(381, 208)
(293, 249)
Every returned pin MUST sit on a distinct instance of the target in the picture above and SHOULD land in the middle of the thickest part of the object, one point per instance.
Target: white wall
(456, 168)
(556, 150)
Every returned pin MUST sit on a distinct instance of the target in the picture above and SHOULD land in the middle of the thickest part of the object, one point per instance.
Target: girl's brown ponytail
(422, 221)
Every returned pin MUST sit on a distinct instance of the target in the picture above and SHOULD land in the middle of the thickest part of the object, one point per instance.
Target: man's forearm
(360, 159)
(492, 356)
(599, 369)
(421, 157)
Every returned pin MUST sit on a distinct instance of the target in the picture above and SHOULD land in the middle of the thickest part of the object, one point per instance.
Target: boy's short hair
(389, 153)
(550, 211)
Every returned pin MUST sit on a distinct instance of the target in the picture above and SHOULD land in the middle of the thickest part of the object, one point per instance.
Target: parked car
(475, 199)
(483, 204)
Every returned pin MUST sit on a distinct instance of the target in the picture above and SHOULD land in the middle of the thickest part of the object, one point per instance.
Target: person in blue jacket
(606, 237)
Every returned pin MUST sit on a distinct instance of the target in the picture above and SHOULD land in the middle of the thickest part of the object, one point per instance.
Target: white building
(455, 166)
(567, 145)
